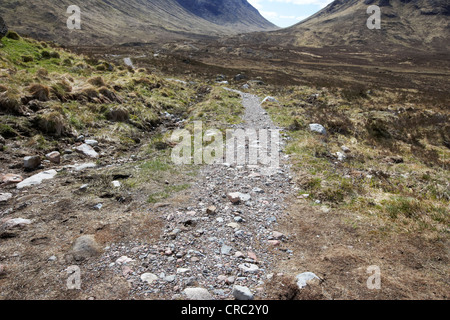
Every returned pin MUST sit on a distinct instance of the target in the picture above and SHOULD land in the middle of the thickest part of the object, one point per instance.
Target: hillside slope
(412, 23)
(121, 21)
(227, 13)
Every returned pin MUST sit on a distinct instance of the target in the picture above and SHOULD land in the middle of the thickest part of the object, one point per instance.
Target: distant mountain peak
(226, 12)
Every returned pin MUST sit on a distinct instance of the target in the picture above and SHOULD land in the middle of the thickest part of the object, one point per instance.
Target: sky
(285, 13)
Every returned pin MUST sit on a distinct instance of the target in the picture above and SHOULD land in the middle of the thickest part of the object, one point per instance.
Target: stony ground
(211, 242)
(222, 233)
(236, 232)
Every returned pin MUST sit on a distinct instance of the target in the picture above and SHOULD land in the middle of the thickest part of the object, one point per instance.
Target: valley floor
(156, 251)
(364, 190)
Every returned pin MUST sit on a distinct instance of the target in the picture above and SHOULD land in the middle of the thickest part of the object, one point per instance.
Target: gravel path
(215, 243)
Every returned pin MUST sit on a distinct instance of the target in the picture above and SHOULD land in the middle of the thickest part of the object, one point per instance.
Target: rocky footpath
(222, 246)
(221, 243)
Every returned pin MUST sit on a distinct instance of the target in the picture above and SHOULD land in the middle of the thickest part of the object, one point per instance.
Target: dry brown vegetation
(385, 204)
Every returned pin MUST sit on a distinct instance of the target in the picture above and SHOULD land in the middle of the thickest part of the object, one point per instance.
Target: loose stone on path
(37, 179)
(87, 150)
(242, 293)
(197, 294)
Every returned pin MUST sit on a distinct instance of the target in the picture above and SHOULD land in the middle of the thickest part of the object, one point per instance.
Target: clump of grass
(168, 191)
(118, 114)
(27, 58)
(12, 35)
(158, 143)
(219, 108)
(67, 62)
(424, 213)
(6, 131)
(10, 102)
(155, 165)
(148, 83)
(109, 94)
(104, 66)
(61, 88)
(339, 190)
(40, 92)
(39, 142)
(52, 123)
(42, 73)
(354, 92)
(88, 93)
(50, 55)
(97, 82)
(405, 206)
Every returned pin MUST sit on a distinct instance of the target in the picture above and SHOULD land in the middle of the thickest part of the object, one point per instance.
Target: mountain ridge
(405, 22)
(121, 21)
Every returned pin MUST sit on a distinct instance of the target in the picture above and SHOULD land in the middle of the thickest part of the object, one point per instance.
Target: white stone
(225, 250)
(149, 277)
(197, 294)
(17, 222)
(233, 225)
(123, 260)
(277, 235)
(304, 278)
(37, 179)
(81, 167)
(5, 197)
(87, 150)
(340, 156)
(318, 128)
(242, 293)
(270, 99)
(236, 197)
(92, 143)
(249, 267)
(170, 278)
(128, 62)
(116, 184)
(183, 270)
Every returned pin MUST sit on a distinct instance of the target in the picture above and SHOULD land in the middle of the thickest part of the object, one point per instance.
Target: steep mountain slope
(120, 21)
(226, 12)
(406, 22)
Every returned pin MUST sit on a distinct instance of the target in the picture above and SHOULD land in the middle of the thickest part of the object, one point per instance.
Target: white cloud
(321, 3)
(281, 12)
(256, 3)
(269, 14)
